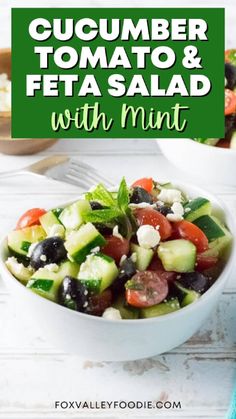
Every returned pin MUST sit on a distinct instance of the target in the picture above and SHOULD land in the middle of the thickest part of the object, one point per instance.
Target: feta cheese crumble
(5, 93)
(169, 196)
(178, 212)
(43, 258)
(52, 267)
(122, 259)
(95, 249)
(111, 314)
(31, 249)
(148, 236)
(116, 233)
(141, 205)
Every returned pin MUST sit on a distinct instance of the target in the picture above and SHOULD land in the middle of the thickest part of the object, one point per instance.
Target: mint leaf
(101, 195)
(103, 215)
(123, 196)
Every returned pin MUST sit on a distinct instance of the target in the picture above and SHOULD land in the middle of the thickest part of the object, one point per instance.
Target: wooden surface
(33, 374)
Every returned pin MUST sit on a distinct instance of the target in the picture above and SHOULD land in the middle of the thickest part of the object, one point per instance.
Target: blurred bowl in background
(21, 146)
(209, 164)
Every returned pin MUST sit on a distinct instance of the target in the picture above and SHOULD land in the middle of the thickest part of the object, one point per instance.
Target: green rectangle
(31, 116)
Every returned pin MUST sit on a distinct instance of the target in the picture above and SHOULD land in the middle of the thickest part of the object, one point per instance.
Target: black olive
(230, 74)
(104, 229)
(73, 294)
(140, 195)
(164, 209)
(96, 205)
(127, 270)
(194, 281)
(51, 250)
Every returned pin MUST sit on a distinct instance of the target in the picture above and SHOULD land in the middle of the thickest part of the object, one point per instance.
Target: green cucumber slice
(187, 296)
(196, 208)
(143, 256)
(98, 272)
(210, 226)
(50, 223)
(80, 243)
(46, 282)
(160, 309)
(19, 241)
(177, 255)
(72, 217)
(220, 247)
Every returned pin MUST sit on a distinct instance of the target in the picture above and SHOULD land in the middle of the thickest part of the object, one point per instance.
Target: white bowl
(96, 338)
(211, 164)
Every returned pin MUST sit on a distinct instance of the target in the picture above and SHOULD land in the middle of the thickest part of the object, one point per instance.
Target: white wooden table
(33, 374)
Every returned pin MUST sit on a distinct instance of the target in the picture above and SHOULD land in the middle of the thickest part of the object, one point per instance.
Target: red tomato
(157, 266)
(149, 216)
(115, 247)
(189, 231)
(29, 218)
(146, 289)
(205, 262)
(230, 102)
(145, 183)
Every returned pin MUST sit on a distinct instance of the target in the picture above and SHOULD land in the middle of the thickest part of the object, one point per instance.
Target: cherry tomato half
(205, 262)
(157, 266)
(189, 231)
(149, 216)
(115, 247)
(230, 102)
(145, 183)
(29, 218)
(146, 289)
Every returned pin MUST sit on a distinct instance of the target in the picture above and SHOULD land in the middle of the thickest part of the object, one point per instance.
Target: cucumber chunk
(187, 296)
(220, 247)
(80, 243)
(18, 270)
(51, 224)
(68, 268)
(98, 272)
(210, 226)
(72, 217)
(46, 282)
(177, 255)
(143, 256)
(160, 309)
(196, 208)
(126, 311)
(19, 241)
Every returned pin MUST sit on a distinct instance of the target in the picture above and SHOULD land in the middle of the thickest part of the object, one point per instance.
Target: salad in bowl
(140, 252)
(229, 141)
